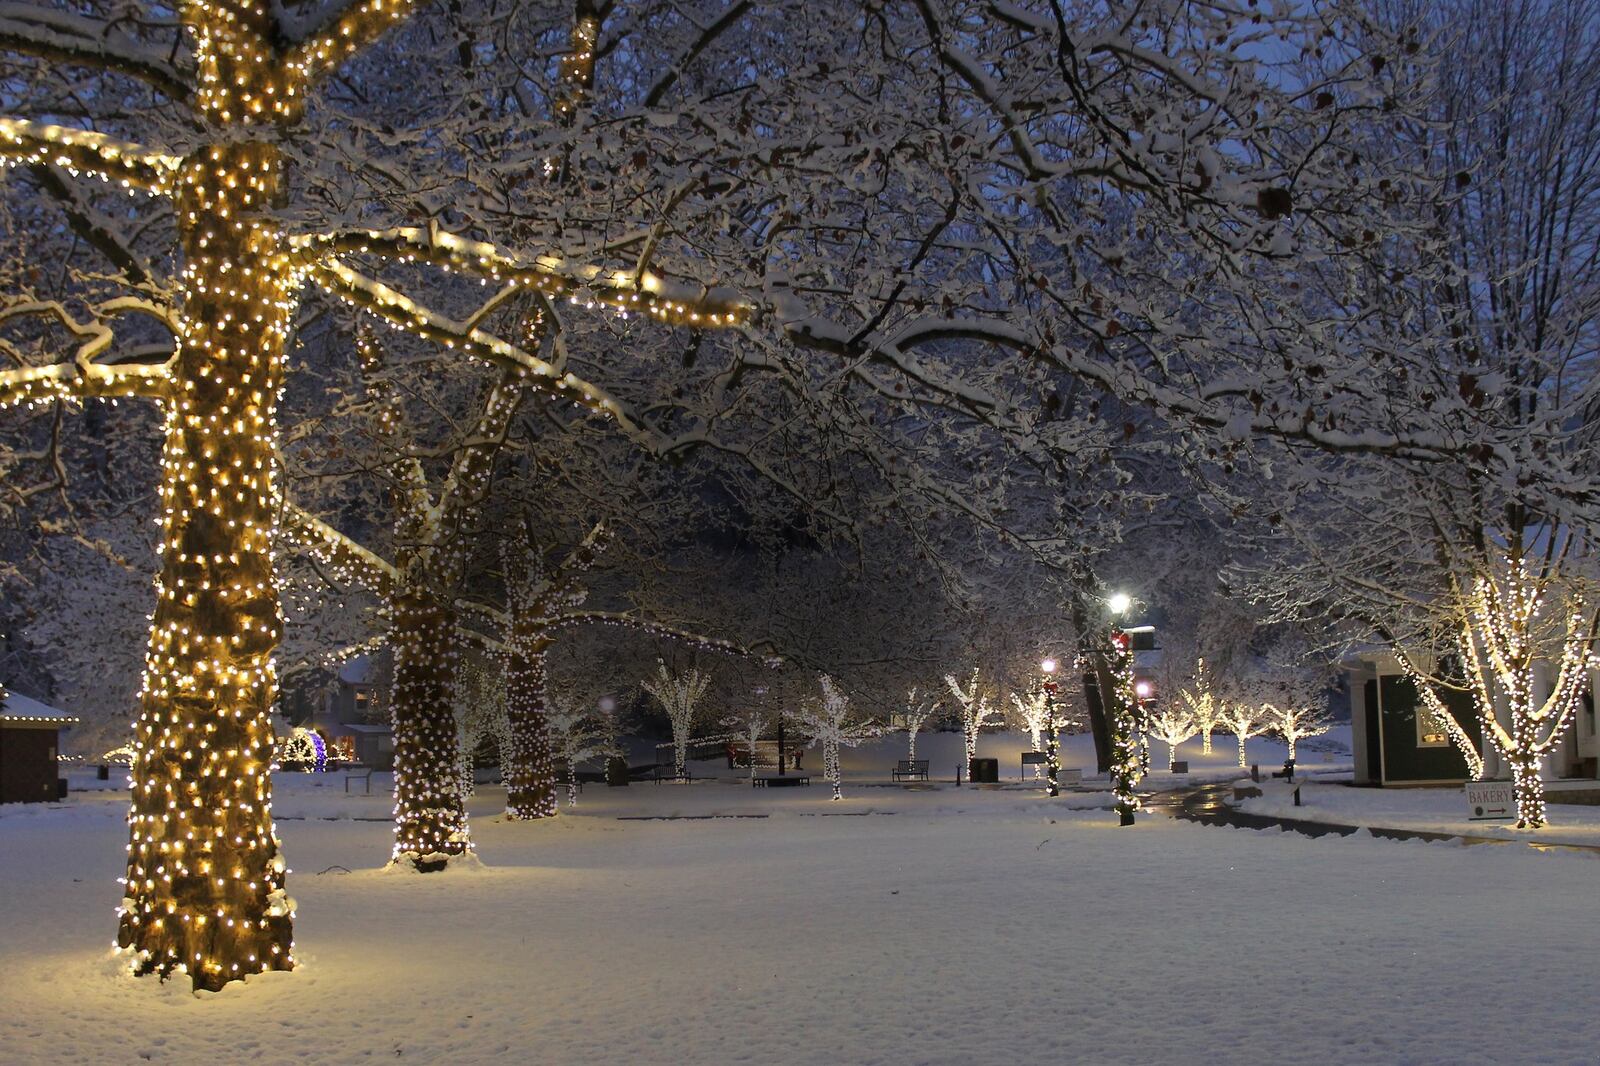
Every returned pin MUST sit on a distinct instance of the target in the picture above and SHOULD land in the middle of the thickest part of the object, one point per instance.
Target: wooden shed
(30, 741)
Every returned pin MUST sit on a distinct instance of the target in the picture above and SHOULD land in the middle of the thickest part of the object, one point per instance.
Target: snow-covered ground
(1439, 810)
(898, 926)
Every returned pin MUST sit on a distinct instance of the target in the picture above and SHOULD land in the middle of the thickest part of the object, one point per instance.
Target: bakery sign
(1490, 801)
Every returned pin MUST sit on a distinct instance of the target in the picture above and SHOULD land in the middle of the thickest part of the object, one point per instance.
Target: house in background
(352, 719)
(1394, 745)
(30, 745)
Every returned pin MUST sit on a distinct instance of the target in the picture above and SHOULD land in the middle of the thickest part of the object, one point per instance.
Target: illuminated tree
(976, 711)
(545, 601)
(1244, 720)
(750, 724)
(1126, 720)
(1202, 703)
(1172, 726)
(1295, 723)
(679, 695)
(916, 713)
(575, 736)
(828, 721)
(1034, 711)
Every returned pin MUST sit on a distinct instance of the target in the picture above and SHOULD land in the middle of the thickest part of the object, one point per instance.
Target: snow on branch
(654, 629)
(81, 152)
(60, 36)
(350, 562)
(348, 32)
(82, 378)
(678, 302)
(405, 314)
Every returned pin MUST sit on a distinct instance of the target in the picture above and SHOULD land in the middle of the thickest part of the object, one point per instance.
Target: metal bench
(665, 772)
(359, 773)
(910, 770)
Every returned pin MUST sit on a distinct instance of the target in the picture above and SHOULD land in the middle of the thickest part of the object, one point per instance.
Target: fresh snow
(665, 924)
(1438, 810)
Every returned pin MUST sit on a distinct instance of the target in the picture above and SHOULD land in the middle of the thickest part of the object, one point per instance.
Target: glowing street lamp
(1120, 603)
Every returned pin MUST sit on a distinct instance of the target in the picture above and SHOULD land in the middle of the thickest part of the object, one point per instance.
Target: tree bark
(430, 818)
(529, 770)
(204, 889)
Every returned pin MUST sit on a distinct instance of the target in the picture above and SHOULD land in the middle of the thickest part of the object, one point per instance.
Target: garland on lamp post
(1052, 737)
(1126, 717)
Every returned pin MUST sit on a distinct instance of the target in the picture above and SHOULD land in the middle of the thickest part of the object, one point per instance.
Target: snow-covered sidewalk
(1433, 810)
(894, 927)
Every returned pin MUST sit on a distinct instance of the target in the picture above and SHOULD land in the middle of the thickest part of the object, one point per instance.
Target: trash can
(984, 771)
(61, 788)
(616, 771)
(103, 773)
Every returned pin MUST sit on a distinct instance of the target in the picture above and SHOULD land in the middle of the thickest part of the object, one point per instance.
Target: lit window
(1430, 731)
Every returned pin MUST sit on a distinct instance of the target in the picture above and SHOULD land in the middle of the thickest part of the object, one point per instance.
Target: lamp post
(1124, 713)
(1052, 743)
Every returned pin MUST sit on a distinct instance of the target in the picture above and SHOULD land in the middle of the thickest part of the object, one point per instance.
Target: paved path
(1208, 805)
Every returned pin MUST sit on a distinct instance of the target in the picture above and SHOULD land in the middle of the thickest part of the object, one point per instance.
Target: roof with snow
(356, 671)
(17, 709)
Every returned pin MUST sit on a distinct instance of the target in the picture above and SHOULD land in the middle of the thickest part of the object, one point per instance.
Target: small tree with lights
(976, 711)
(827, 720)
(1296, 722)
(916, 714)
(1200, 699)
(1172, 726)
(679, 695)
(1034, 711)
(1244, 720)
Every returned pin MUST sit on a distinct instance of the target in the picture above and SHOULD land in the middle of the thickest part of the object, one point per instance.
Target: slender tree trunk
(1527, 783)
(1242, 739)
(830, 753)
(204, 887)
(1205, 741)
(430, 818)
(680, 746)
(1172, 756)
(912, 734)
(529, 771)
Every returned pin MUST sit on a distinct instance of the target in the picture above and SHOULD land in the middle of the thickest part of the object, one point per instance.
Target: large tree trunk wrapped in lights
(529, 770)
(204, 890)
(430, 817)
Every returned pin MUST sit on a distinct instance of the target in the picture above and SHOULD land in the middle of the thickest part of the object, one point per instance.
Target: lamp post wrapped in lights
(1052, 740)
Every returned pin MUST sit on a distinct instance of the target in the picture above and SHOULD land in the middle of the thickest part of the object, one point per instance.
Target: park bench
(668, 772)
(358, 773)
(910, 770)
(786, 781)
(1287, 772)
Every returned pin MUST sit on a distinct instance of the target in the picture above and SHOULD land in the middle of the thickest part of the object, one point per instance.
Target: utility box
(984, 771)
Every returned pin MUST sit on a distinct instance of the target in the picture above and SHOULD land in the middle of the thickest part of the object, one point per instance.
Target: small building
(1392, 744)
(352, 718)
(30, 744)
